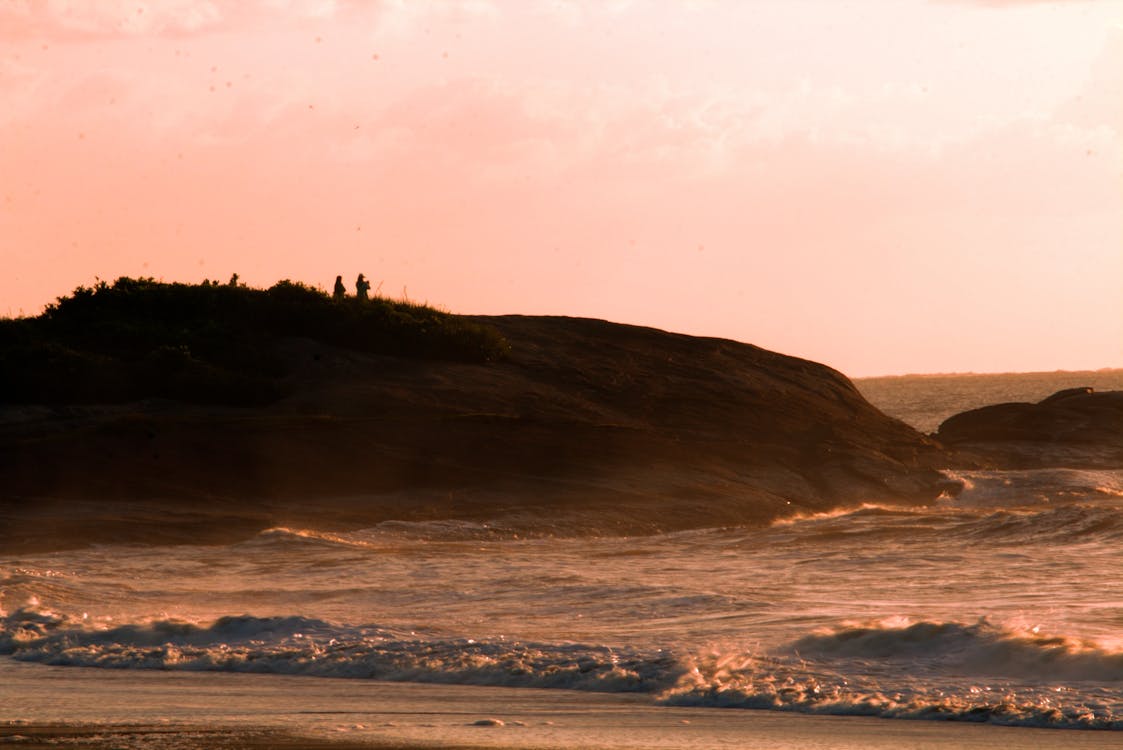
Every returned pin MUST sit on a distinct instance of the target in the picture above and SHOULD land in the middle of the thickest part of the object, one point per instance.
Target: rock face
(1075, 427)
(589, 427)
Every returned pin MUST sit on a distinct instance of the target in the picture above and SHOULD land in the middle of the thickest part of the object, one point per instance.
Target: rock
(1068, 393)
(589, 427)
(1075, 427)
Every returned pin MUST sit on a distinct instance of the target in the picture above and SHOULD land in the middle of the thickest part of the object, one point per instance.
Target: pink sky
(884, 186)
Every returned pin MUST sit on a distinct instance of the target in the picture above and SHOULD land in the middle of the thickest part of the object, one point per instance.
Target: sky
(884, 186)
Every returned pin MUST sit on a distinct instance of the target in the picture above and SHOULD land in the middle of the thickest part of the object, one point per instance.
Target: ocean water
(924, 401)
(1002, 605)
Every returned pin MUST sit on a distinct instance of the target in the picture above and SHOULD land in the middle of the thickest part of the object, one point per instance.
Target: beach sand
(42, 706)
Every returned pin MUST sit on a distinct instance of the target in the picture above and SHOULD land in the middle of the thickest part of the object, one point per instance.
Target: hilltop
(209, 343)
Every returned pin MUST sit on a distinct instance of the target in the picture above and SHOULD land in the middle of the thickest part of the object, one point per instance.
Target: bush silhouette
(208, 343)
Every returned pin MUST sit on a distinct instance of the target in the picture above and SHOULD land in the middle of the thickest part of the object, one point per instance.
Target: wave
(1063, 523)
(852, 669)
(1058, 523)
(499, 517)
(392, 535)
(981, 648)
(1071, 524)
(307, 646)
(1031, 486)
(843, 671)
(979, 705)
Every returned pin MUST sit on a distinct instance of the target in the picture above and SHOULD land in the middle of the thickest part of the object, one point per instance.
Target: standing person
(340, 291)
(362, 286)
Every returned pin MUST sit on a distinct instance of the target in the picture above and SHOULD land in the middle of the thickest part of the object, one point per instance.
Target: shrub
(208, 343)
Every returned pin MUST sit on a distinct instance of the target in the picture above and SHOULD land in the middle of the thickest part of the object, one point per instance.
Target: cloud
(1100, 102)
(117, 18)
(1009, 3)
(79, 18)
(398, 18)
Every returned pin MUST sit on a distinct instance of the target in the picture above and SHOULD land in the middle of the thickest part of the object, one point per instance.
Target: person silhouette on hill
(340, 291)
(362, 286)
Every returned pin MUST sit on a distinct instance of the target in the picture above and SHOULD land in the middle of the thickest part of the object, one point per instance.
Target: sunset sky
(883, 186)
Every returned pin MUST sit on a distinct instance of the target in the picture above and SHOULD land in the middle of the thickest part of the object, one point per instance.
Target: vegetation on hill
(206, 343)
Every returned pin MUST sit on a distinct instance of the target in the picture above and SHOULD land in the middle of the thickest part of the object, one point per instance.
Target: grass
(206, 343)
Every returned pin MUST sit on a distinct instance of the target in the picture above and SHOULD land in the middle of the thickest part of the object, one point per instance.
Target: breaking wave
(851, 669)
(843, 671)
(978, 649)
(305, 646)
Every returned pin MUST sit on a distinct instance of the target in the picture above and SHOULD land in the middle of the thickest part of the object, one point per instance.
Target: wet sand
(45, 736)
(43, 706)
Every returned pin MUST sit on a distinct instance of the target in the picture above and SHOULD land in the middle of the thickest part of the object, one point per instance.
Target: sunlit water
(1002, 605)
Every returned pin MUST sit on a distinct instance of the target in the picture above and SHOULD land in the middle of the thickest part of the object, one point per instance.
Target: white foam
(850, 669)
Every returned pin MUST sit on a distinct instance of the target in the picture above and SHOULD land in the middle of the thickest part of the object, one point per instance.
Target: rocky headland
(582, 426)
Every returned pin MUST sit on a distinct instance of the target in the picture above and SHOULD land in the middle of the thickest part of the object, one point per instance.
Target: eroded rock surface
(590, 427)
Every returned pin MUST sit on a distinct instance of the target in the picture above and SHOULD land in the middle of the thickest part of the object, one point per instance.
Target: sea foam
(851, 669)
(305, 646)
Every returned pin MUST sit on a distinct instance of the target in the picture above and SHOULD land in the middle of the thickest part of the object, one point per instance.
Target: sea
(1002, 605)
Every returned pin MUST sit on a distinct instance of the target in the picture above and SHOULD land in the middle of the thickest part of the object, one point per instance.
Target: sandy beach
(77, 707)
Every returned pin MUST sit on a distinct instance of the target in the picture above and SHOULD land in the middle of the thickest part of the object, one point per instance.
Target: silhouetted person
(362, 286)
(340, 291)
(233, 280)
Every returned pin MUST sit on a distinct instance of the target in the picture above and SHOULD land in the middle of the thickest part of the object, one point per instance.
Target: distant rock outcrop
(1075, 427)
(586, 427)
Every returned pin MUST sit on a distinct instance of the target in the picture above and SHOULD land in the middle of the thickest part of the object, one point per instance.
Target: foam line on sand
(145, 710)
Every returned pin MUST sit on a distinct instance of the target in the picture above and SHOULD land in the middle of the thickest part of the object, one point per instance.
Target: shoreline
(54, 706)
(762, 730)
